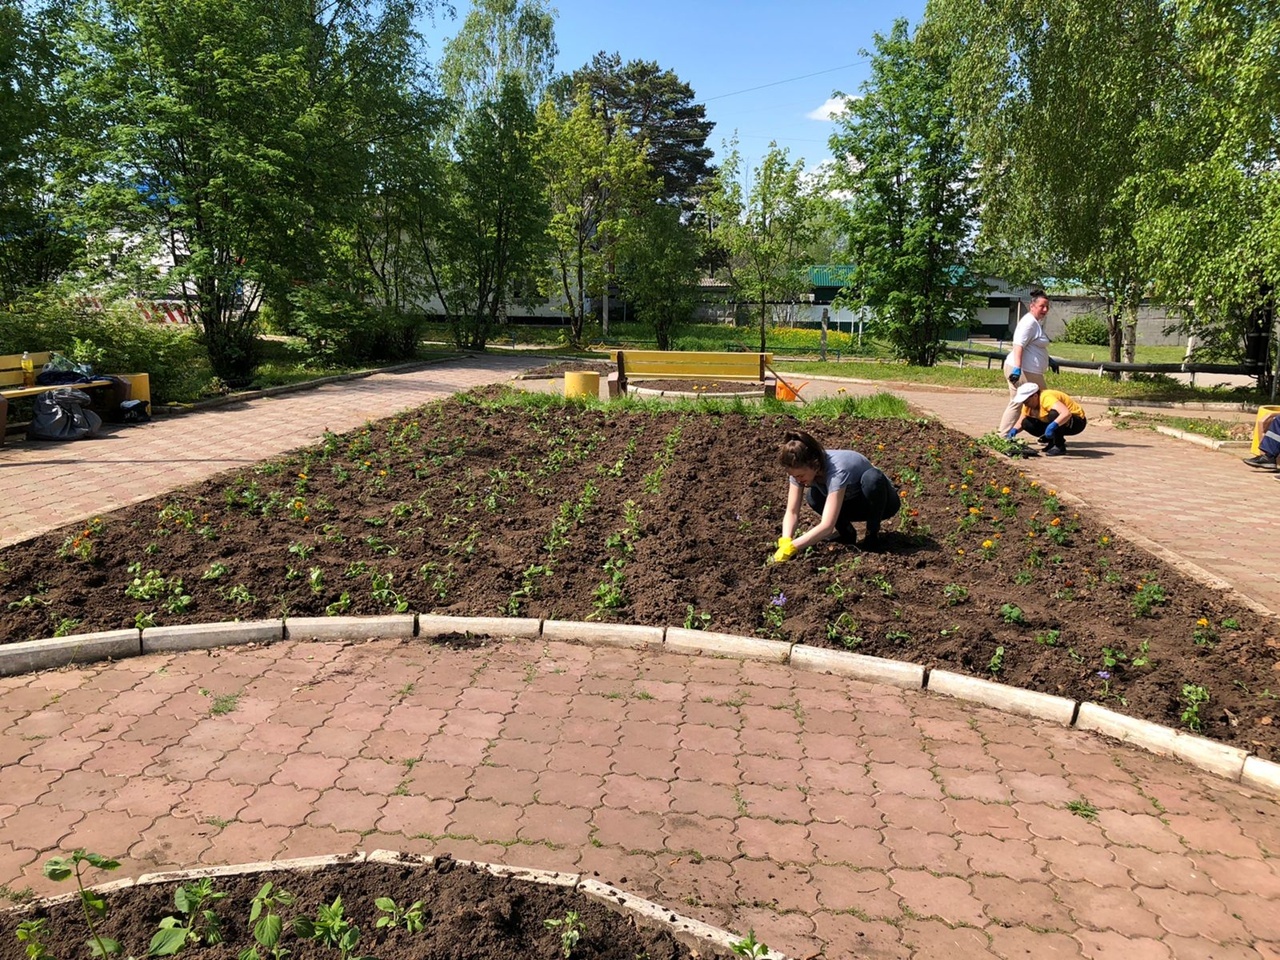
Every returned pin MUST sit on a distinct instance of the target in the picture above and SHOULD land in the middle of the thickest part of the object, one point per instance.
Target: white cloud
(829, 110)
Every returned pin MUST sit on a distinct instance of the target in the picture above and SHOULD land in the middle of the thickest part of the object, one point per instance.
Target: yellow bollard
(582, 383)
(1263, 413)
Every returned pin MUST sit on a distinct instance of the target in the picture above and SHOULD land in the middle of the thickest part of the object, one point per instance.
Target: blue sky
(743, 58)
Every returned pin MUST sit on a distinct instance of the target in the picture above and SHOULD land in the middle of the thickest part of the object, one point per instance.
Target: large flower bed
(502, 504)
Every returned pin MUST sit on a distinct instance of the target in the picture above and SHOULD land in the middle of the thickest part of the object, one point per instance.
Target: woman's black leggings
(873, 499)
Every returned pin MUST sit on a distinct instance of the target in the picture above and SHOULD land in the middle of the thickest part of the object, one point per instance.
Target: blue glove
(1013, 432)
(1015, 374)
(1050, 429)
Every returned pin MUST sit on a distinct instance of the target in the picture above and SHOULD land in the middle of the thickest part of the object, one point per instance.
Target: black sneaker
(846, 535)
(1261, 461)
(1055, 451)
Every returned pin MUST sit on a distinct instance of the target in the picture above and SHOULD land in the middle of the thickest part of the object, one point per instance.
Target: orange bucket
(784, 391)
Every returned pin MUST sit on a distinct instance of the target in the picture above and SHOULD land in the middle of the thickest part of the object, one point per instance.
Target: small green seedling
(1194, 696)
(92, 903)
(199, 924)
(331, 929)
(267, 924)
(31, 934)
(996, 662)
(749, 946)
(409, 917)
(1011, 613)
(570, 927)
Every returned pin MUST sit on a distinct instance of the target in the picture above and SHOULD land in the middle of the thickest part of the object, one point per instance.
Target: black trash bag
(133, 411)
(59, 369)
(63, 415)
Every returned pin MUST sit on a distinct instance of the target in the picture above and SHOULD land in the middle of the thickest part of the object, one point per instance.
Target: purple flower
(1104, 675)
(780, 600)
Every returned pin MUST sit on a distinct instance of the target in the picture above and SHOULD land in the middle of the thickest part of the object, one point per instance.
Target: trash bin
(582, 383)
(1263, 413)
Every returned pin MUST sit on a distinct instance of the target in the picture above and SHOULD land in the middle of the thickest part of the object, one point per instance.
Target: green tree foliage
(1054, 95)
(911, 209)
(658, 269)
(593, 183)
(499, 39)
(653, 106)
(235, 134)
(765, 230)
(1209, 192)
(481, 235)
(34, 247)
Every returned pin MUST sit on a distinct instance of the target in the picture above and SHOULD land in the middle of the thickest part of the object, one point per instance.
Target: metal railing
(1102, 367)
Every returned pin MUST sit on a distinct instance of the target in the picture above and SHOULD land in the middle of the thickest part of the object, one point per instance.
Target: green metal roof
(830, 275)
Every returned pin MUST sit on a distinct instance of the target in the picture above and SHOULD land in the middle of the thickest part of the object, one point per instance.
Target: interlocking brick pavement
(824, 852)
(834, 817)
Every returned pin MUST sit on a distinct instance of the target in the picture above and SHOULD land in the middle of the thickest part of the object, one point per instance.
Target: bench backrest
(11, 368)
(709, 364)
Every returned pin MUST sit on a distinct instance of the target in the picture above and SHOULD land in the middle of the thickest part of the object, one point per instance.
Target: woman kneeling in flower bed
(840, 485)
(1049, 415)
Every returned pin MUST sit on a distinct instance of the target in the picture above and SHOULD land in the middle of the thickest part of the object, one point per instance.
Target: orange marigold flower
(1055, 522)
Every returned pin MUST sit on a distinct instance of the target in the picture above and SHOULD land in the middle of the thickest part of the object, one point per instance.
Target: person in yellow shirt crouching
(1049, 415)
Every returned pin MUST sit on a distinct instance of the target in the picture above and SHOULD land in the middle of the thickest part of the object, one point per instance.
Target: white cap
(1026, 392)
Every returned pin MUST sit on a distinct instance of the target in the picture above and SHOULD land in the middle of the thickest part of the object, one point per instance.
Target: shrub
(115, 340)
(336, 327)
(1087, 329)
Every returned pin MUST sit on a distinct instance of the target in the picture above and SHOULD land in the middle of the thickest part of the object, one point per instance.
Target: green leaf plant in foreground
(91, 902)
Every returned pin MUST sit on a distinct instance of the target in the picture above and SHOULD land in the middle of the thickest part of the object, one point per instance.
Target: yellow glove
(785, 550)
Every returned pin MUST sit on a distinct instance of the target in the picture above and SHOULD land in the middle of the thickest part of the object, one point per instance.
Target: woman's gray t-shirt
(842, 470)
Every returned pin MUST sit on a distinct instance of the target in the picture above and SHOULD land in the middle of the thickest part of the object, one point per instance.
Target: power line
(763, 86)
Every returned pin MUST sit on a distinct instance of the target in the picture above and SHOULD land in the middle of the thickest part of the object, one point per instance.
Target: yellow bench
(11, 385)
(690, 365)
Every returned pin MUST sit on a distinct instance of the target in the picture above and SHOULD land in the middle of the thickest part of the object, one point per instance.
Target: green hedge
(115, 340)
(1087, 329)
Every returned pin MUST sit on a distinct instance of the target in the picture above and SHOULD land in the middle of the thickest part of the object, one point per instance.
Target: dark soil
(467, 914)
(695, 387)
(560, 368)
(487, 504)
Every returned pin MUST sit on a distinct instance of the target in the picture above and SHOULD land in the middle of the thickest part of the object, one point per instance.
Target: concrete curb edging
(1028, 703)
(1218, 758)
(1231, 763)
(700, 642)
(204, 636)
(1202, 441)
(392, 626)
(642, 912)
(31, 655)
(434, 625)
(629, 635)
(858, 666)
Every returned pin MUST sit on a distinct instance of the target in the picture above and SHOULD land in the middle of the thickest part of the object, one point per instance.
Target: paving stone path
(835, 818)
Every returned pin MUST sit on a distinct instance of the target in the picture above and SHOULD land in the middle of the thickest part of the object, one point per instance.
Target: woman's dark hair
(800, 451)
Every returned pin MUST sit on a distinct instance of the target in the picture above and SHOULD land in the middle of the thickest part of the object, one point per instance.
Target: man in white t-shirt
(1028, 358)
